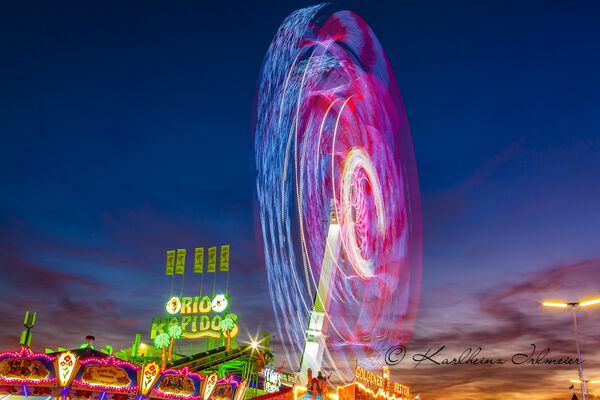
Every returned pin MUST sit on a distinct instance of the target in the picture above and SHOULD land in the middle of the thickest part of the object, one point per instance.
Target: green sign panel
(198, 317)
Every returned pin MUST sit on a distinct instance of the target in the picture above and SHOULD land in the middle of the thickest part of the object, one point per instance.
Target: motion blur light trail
(331, 132)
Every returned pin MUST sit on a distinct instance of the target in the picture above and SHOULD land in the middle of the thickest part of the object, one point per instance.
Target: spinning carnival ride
(338, 193)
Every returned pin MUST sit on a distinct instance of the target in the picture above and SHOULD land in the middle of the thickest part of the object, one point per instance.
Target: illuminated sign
(180, 384)
(272, 380)
(193, 326)
(219, 303)
(24, 373)
(23, 369)
(198, 317)
(197, 304)
(380, 386)
(147, 377)
(369, 378)
(209, 385)
(105, 375)
(401, 389)
(173, 306)
(177, 384)
(223, 391)
(66, 364)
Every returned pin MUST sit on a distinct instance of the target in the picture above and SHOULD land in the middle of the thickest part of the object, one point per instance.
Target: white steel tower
(316, 334)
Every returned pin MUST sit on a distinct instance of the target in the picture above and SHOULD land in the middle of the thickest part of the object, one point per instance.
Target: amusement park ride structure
(316, 334)
(320, 74)
(333, 143)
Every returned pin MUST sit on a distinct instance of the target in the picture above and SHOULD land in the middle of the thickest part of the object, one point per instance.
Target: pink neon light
(110, 360)
(27, 382)
(182, 371)
(175, 396)
(125, 389)
(231, 380)
(26, 352)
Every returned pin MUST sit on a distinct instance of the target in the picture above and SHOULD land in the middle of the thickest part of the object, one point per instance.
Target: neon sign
(198, 317)
(219, 303)
(380, 386)
(369, 378)
(197, 304)
(272, 380)
(173, 306)
(193, 327)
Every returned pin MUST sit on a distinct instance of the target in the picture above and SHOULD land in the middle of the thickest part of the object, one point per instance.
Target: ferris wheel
(338, 193)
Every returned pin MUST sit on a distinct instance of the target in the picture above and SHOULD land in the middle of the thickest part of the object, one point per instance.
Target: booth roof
(84, 353)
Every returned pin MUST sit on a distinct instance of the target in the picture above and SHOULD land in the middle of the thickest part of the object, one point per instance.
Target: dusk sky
(126, 130)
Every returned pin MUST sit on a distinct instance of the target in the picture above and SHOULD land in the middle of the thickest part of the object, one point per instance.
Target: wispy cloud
(503, 321)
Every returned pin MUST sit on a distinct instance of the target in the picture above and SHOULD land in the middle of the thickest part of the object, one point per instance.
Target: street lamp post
(574, 313)
(587, 382)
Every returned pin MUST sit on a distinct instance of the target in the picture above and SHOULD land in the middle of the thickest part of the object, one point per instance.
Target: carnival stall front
(91, 375)
(367, 385)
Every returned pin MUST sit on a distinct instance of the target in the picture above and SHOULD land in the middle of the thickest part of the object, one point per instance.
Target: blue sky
(126, 130)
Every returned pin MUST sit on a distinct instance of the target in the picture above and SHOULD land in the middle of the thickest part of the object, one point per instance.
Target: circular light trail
(335, 159)
(358, 175)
